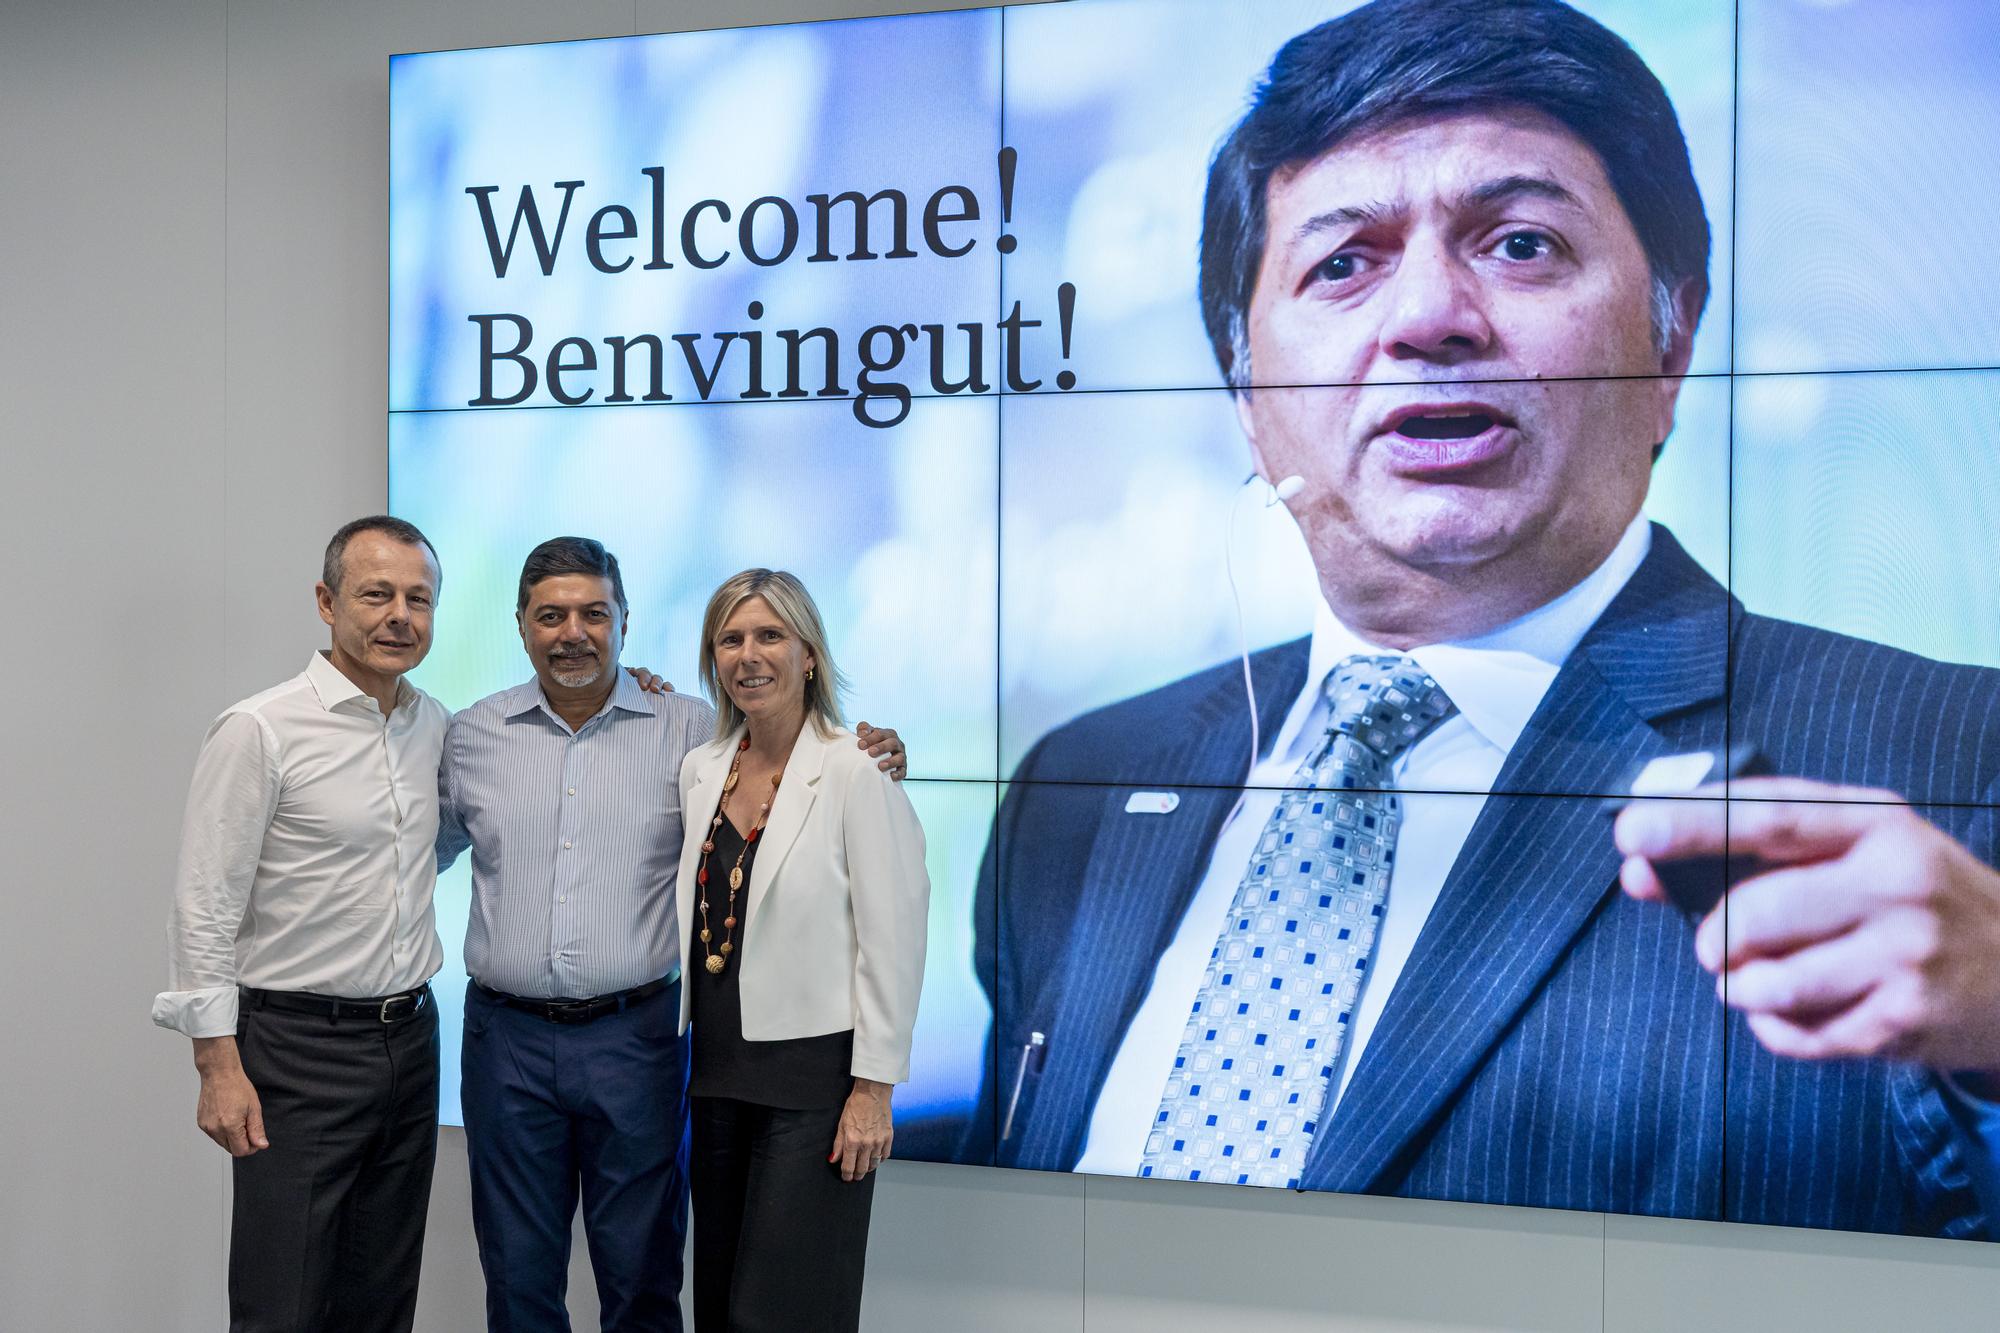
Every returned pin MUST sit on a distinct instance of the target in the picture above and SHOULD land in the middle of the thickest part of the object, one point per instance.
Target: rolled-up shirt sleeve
(890, 892)
(230, 803)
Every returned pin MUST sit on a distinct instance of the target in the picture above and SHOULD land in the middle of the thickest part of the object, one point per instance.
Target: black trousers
(780, 1239)
(328, 1228)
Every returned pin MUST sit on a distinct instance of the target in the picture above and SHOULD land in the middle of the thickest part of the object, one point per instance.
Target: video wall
(1117, 373)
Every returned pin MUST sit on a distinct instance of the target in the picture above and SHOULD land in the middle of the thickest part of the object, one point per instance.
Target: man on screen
(1453, 262)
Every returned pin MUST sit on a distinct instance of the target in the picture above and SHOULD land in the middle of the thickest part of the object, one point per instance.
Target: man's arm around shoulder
(452, 838)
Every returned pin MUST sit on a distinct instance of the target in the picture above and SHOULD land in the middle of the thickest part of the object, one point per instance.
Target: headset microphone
(1280, 491)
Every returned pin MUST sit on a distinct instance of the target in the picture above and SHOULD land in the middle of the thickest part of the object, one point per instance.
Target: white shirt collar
(333, 687)
(1497, 679)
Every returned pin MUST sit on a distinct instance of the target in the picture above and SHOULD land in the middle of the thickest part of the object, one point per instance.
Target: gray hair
(333, 567)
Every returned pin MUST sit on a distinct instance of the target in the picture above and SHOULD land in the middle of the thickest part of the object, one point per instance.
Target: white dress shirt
(307, 856)
(1497, 680)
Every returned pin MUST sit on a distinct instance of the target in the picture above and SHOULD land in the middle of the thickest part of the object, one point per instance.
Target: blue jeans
(596, 1111)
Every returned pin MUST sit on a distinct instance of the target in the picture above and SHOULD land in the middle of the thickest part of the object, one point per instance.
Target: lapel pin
(1152, 803)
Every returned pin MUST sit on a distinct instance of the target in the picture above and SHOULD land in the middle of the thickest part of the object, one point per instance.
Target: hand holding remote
(1864, 931)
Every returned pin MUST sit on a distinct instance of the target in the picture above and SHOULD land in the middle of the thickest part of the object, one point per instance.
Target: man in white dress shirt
(301, 948)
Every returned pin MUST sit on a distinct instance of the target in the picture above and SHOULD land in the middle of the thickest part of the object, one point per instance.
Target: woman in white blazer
(803, 907)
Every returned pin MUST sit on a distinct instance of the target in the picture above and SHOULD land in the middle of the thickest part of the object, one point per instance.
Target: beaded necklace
(717, 961)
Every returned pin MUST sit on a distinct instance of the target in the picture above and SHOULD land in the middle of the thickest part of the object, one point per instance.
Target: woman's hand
(862, 1142)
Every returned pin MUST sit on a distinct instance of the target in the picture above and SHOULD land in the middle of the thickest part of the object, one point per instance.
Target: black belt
(384, 1009)
(578, 1011)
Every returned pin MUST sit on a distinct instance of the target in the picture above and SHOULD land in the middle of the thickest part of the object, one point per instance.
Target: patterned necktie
(1249, 1083)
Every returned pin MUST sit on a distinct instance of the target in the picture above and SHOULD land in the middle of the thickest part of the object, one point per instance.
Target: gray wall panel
(1664, 1276)
(111, 262)
(1173, 1255)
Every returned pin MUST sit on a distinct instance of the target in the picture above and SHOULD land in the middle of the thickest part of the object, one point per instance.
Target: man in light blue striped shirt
(567, 791)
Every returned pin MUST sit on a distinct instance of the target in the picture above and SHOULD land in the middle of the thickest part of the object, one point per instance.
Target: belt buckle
(411, 1000)
(570, 1012)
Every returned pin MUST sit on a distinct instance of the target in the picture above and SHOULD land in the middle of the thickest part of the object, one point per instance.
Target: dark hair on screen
(333, 566)
(1392, 60)
(569, 555)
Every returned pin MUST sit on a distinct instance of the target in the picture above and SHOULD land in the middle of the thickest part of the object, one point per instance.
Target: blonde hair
(794, 607)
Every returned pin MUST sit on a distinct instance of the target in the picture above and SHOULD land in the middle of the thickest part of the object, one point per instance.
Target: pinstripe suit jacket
(1550, 1042)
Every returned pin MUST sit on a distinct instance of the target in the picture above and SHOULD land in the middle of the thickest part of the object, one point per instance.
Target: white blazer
(837, 909)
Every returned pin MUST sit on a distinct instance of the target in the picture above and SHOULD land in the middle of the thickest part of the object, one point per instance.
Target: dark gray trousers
(780, 1240)
(328, 1229)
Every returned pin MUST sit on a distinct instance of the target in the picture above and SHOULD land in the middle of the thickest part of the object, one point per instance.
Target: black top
(798, 1074)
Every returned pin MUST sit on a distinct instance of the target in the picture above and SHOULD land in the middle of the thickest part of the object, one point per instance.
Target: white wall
(193, 268)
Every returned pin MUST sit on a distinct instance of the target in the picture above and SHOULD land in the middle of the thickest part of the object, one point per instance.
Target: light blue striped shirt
(575, 837)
